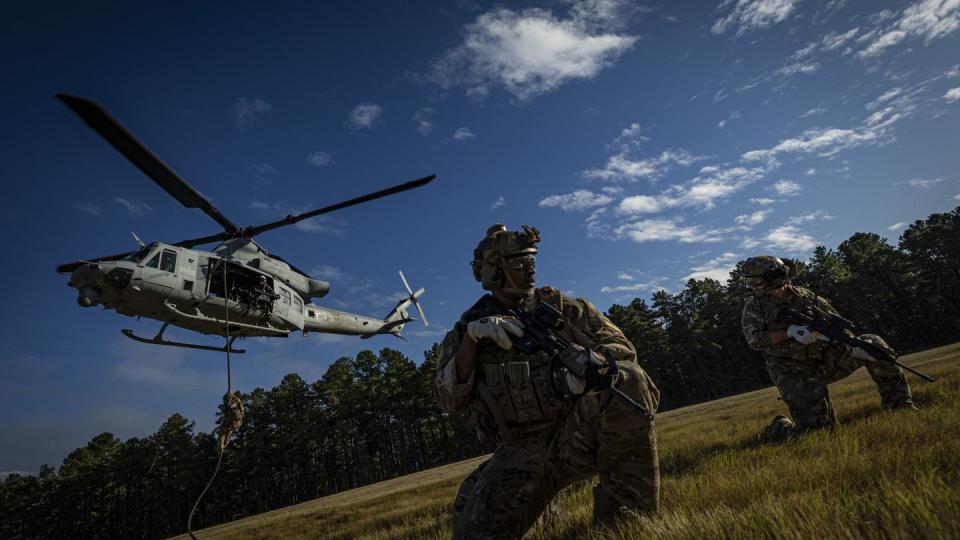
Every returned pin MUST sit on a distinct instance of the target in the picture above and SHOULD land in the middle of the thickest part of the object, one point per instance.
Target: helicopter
(237, 289)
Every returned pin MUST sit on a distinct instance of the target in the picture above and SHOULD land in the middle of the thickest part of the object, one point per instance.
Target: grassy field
(879, 475)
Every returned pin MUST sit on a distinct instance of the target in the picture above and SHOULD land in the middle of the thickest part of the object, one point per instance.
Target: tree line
(375, 416)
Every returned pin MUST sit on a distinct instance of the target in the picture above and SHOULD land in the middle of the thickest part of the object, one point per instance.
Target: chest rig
(790, 350)
(517, 393)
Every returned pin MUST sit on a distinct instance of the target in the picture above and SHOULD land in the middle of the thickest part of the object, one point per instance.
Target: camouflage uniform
(802, 372)
(544, 442)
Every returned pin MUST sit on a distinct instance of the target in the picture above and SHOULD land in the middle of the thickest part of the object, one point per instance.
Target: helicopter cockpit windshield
(140, 254)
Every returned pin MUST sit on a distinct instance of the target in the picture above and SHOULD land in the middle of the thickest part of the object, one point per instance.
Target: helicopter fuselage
(201, 291)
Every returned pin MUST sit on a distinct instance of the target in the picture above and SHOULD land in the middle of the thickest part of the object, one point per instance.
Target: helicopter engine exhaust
(88, 297)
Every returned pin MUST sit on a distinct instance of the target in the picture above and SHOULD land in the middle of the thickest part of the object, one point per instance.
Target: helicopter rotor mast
(125, 142)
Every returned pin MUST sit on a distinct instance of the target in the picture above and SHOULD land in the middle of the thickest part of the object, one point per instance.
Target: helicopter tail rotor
(414, 298)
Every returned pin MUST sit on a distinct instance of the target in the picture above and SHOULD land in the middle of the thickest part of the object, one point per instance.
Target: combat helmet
(498, 245)
(773, 271)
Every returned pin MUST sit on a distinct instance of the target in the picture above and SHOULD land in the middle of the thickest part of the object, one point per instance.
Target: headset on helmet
(772, 270)
(497, 245)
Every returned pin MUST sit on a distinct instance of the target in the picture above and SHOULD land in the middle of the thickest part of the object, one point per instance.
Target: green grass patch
(880, 474)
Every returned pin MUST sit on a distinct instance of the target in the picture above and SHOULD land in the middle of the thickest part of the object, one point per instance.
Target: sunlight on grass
(881, 474)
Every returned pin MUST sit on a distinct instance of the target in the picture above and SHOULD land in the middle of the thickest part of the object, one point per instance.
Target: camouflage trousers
(803, 384)
(506, 495)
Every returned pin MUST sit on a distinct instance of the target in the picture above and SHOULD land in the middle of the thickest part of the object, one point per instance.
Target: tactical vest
(516, 391)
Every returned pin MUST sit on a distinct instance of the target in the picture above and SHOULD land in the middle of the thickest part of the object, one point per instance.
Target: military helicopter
(238, 289)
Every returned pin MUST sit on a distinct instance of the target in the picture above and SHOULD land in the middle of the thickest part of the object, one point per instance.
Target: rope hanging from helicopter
(231, 410)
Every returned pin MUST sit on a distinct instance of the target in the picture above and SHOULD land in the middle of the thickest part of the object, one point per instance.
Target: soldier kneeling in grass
(800, 362)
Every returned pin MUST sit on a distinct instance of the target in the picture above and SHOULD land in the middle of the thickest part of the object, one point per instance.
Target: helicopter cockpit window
(139, 255)
(168, 261)
(154, 261)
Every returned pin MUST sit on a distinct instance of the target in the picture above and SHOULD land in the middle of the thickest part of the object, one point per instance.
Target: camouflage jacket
(759, 318)
(494, 393)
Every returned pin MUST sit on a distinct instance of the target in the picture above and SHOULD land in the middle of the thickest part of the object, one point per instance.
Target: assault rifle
(540, 334)
(835, 329)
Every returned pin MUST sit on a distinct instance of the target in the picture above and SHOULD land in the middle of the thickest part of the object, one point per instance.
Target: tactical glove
(801, 334)
(496, 328)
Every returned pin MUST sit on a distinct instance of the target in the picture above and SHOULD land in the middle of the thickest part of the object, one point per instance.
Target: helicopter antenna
(137, 238)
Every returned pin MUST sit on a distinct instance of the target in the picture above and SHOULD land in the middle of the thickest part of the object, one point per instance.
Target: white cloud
(263, 173)
(89, 208)
(734, 115)
(805, 68)
(762, 200)
(321, 159)
(750, 15)
(463, 134)
(812, 216)
(622, 167)
(896, 226)
(718, 268)
(811, 172)
(249, 111)
(786, 187)
(364, 116)
(580, 199)
(634, 287)
(834, 40)
(927, 20)
(828, 141)
(623, 276)
(499, 203)
(662, 230)
(952, 95)
(789, 239)
(704, 190)
(957, 197)
(323, 225)
(532, 52)
(813, 111)
(326, 272)
(924, 183)
(423, 121)
(134, 208)
(753, 219)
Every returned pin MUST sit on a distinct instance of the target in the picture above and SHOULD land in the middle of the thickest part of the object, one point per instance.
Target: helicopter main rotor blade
(97, 117)
(70, 267)
(219, 237)
(250, 232)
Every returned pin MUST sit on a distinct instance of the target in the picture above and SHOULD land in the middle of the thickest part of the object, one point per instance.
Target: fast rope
(232, 408)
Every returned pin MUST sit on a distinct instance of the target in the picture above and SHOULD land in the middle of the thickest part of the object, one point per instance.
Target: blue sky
(649, 142)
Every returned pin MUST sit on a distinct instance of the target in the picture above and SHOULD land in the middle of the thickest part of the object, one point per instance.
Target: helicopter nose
(88, 273)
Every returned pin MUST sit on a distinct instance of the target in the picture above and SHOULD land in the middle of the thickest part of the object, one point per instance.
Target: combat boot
(779, 429)
(905, 404)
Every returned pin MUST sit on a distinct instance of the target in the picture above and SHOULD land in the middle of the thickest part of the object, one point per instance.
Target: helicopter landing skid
(158, 340)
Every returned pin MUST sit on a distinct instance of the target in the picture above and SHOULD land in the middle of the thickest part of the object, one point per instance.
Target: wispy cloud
(622, 167)
(811, 216)
(423, 121)
(748, 15)
(789, 239)
(928, 20)
(663, 230)
(263, 173)
(463, 134)
(581, 199)
(326, 272)
(249, 111)
(651, 285)
(711, 185)
(133, 208)
(734, 115)
(786, 187)
(922, 183)
(88, 208)
(718, 268)
(753, 219)
(896, 226)
(364, 116)
(533, 52)
(813, 111)
(321, 158)
(499, 203)
(952, 95)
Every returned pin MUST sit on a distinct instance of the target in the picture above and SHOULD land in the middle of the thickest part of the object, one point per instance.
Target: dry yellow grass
(879, 475)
